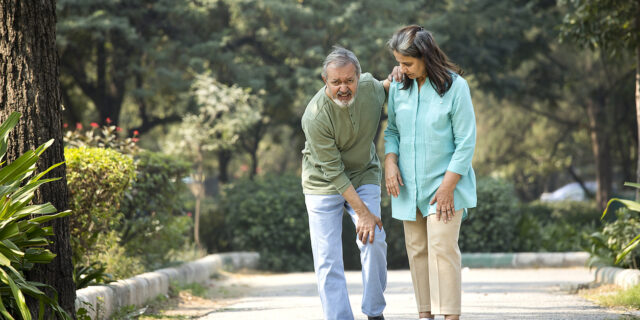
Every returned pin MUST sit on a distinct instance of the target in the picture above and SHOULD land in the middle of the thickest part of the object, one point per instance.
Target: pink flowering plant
(97, 136)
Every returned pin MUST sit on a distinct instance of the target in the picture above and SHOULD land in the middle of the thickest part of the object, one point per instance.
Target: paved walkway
(487, 294)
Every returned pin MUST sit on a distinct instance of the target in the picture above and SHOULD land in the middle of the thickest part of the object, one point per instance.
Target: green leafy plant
(633, 206)
(153, 209)
(491, 226)
(106, 136)
(95, 273)
(269, 216)
(97, 179)
(23, 240)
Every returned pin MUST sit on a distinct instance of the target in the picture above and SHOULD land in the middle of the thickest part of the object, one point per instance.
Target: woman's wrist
(391, 157)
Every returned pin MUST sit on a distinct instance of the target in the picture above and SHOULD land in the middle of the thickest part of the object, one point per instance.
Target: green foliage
(153, 209)
(95, 273)
(607, 245)
(97, 179)
(601, 23)
(101, 137)
(213, 230)
(628, 233)
(269, 216)
(490, 226)
(556, 226)
(23, 239)
(115, 257)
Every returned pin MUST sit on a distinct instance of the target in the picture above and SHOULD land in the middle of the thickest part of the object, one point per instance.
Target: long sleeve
(325, 153)
(391, 134)
(463, 122)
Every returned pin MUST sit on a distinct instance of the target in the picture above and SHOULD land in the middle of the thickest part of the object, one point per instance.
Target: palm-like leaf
(22, 238)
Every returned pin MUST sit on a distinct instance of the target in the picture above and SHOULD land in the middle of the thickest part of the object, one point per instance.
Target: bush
(269, 216)
(23, 239)
(556, 226)
(490, 227)
(606, 245)
(97, 179)
(153, 209)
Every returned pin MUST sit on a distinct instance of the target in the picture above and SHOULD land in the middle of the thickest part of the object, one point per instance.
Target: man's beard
(344, 104)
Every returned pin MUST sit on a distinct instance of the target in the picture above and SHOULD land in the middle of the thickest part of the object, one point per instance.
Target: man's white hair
(340, 57)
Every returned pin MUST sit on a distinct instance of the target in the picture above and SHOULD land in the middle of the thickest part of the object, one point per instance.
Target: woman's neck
(421, 81)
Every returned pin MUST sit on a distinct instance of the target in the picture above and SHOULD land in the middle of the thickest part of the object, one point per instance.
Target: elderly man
(341, 170)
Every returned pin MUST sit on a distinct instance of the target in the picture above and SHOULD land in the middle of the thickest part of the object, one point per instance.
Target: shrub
(153, 209)
(23, 239)
(105, 137)
(606, 246)
(97, 179)
(268, 215)
(556, 226)
(490, 227)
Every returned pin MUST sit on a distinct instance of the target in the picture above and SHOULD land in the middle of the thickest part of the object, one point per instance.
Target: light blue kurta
(431, 135)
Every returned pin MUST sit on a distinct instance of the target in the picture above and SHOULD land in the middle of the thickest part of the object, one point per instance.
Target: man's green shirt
(339, 150)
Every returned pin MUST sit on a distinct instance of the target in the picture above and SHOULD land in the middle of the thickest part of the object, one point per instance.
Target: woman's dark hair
(415, 41)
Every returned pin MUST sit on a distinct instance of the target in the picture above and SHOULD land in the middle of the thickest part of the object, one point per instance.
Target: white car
(571, 191)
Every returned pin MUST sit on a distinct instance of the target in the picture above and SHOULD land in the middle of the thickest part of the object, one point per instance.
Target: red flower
(135, 132)
(95, 125)
(244, 168)
(108, 120)
(189, 214)
(118, 129)
(79, 126)
(135, 139)
(65, 125)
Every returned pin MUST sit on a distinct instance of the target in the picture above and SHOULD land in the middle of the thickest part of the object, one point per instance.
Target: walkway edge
(625, 278)
(105, 300)
(525, 260)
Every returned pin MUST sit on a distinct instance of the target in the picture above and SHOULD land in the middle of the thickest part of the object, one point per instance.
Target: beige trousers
(435, 260)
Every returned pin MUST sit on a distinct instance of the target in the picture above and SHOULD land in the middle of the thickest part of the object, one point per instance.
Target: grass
(612, 296)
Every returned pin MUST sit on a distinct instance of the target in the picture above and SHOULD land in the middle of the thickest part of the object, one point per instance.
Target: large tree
(29, 85)
(611, 26)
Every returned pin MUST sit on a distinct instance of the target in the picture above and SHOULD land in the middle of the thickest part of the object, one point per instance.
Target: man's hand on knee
(366, 226)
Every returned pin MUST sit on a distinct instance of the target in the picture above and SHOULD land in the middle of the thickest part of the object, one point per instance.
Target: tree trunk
(224, 158)
(638, 101)
(29, 83)
(601, 150)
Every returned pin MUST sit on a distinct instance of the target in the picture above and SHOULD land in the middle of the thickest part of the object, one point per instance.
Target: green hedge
(97, 179)
(269, 216)
(153, 210)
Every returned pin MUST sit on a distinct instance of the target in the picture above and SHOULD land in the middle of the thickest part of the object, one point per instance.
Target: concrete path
(487, 294)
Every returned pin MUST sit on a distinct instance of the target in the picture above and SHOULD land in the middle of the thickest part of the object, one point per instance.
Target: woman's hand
(392, 177)
(445, 207)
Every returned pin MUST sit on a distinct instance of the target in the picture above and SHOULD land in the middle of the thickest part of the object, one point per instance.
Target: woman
(429, 143)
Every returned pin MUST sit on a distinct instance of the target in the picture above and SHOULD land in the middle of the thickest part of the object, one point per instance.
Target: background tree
(29, 85)
(611, 26)
(225, 113)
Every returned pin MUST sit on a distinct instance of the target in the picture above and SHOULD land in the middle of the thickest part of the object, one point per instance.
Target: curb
(625, 278)
(105, 300)
(525, 260)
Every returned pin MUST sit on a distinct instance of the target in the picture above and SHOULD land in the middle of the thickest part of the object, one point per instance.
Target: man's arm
(367, 221)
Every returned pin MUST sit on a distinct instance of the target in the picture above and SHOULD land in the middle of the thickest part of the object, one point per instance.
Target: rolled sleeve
(391, 134)
(463, 122)
(325, 154)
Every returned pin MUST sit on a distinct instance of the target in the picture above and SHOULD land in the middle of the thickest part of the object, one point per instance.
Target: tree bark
(224, 158)
(30, 85)
(638, 98)
(601, 150)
